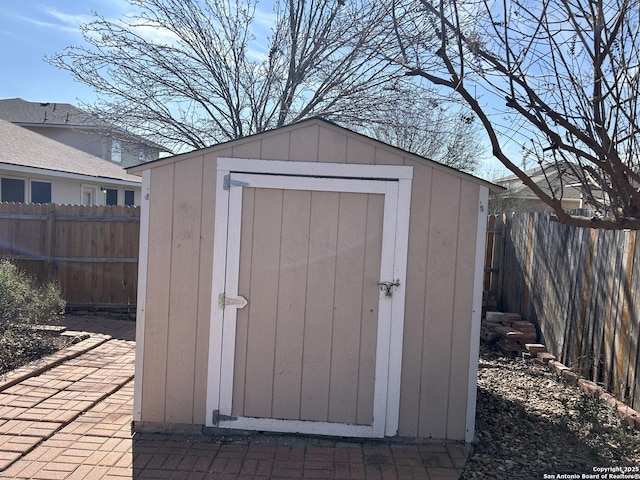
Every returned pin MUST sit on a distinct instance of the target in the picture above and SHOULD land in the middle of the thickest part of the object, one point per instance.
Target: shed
(309, 279)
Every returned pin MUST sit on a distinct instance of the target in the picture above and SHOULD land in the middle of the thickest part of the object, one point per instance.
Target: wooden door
(310, 352)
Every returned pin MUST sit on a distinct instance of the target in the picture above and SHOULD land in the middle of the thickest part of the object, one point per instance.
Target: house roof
(22, 147)
(32, 114)
(301, 124)
(17, 110)
(548, 178)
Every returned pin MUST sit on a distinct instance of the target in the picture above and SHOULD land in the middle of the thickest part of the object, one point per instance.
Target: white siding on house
(95, 143)
(82, 140)
(69, 191)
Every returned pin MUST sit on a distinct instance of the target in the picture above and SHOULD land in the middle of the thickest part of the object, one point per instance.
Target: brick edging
(624, 412)
(510, 334)
(32, 369)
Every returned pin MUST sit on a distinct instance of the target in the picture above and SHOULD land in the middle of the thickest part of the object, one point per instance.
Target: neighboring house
(519, 198)
(36, 169)
(75, 127)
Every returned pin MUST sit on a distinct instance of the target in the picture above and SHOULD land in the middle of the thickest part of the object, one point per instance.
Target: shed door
(310, 352)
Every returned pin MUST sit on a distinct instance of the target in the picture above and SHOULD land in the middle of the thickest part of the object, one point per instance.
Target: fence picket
(91, 251)
(580, 288)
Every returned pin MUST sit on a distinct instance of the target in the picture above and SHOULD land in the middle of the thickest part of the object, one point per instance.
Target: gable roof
(548, 178)
(17, 110)
(303, 124)
(35, 114)
(22, 147)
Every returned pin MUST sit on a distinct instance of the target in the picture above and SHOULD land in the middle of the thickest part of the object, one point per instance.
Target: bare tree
(435, 128)
(189, 73)
(558, 77)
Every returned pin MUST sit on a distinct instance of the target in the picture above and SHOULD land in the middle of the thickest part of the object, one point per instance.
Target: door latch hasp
(387, 287)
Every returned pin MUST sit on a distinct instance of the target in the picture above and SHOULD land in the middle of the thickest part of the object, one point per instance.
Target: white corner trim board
(474, 346)
(142, 293)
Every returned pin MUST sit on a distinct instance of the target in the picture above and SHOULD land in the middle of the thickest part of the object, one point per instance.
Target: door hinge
(239, 301)
(228, 182)
(217, 417)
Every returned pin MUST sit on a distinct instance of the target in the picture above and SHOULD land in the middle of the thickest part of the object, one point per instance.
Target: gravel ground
(530, 425)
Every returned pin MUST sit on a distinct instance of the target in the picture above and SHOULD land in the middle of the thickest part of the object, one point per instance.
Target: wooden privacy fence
(492, 285)
(580, 286)
(92, 251)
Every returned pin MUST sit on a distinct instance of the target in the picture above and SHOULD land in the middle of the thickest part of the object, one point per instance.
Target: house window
(144, 155)
(40, 192)
(116, 150)
(129, 197)
(111, 196)
(88, 195)
(12, 190)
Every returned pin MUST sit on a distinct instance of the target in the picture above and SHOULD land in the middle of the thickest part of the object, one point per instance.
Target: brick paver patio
(71, 420)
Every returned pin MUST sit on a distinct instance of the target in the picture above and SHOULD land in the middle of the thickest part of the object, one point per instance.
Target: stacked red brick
(489, 302)
(508, 330)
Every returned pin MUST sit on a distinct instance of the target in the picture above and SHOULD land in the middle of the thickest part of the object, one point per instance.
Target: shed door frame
(394, 182)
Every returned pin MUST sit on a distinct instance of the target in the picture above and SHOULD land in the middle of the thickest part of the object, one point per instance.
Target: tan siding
(332, 146)
(415, 301)
(347, 311)
(292, 290)
(369, 326)
(320, 290)
(185, 261)
(292, 343)
(244, 289)
(225, 152)
(276, 147)
(304, 144)
(157, 307)
(439, 300)
(461, 341)
(204, 290)
(359, 151)
(386, 157)
(258, 382)
(247, 150)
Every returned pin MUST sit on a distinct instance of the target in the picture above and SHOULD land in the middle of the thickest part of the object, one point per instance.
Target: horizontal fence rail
(581, 287)
(91, 251)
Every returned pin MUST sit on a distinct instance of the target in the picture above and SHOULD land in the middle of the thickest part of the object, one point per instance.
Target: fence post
(50, 242)
(503, 240)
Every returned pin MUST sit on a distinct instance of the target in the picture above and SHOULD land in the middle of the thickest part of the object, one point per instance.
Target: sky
(33, 29)
(30, 30)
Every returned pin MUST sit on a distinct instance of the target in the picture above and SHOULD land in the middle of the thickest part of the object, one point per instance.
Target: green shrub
(24, 304)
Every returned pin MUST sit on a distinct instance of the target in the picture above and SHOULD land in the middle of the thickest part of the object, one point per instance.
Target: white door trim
(401, 249)
(392, 181)
(315, 169)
